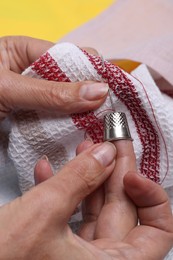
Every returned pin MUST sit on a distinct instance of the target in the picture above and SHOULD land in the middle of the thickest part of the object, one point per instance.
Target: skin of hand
(35, 225)
(18, 91)
(110, 230)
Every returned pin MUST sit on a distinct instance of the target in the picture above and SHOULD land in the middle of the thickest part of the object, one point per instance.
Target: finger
(154, 236)
(118, 212)
(22, 51)
(83, 146)
(62, 193)
(91, 50)
(91, 209)
(91, 206)
(125, 161)
(25, 50)
(42, 170)
(18, 91)
(151, 200)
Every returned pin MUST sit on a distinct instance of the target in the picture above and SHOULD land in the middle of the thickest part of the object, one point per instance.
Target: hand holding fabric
(111, 214)
(17, 91)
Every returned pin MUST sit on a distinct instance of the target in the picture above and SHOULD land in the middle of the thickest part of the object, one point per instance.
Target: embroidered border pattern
(124, 89)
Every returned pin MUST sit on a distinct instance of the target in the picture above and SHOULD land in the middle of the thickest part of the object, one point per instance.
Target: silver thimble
(116, 127)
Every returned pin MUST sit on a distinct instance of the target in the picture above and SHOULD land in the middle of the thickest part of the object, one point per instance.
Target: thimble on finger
(116, 127)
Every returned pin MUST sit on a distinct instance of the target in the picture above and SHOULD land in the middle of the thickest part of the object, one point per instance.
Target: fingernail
(44, 157)
(89, 139)
(94, 91)
(105, 153)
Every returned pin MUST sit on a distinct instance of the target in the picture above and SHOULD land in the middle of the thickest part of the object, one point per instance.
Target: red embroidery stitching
(91, 124)
(124, 89)
(47, 68)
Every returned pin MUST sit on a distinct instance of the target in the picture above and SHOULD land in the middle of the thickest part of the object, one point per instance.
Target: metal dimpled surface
(116, 127)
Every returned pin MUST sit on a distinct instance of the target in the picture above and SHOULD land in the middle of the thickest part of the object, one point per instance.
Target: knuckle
(46, 197)
(87, 173)
(61, 96)
(5, 80)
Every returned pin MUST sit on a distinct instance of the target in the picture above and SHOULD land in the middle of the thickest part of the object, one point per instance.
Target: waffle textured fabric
(148, 110)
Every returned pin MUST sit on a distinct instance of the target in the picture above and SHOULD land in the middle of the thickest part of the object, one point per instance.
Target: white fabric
(30, 138)
(63, 133)
(130, 29)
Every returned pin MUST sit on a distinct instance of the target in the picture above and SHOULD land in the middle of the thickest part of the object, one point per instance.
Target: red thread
(124, 89)
(161, 133)
(94, 125)
(47, 68)
(91, 124)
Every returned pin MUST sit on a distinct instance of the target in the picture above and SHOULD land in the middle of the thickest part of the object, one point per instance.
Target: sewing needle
(109, 91)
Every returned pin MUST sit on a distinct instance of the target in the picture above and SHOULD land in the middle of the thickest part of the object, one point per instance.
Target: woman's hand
(111, 201)
(17, 91)
(111, 213)
(35, 225)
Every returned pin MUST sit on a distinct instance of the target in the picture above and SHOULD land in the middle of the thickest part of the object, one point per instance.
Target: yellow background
(50, 19)
(46, 19)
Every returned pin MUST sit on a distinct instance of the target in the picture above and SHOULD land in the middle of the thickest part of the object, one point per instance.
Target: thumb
(151, 200)
(154, 236)
(76, 180)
